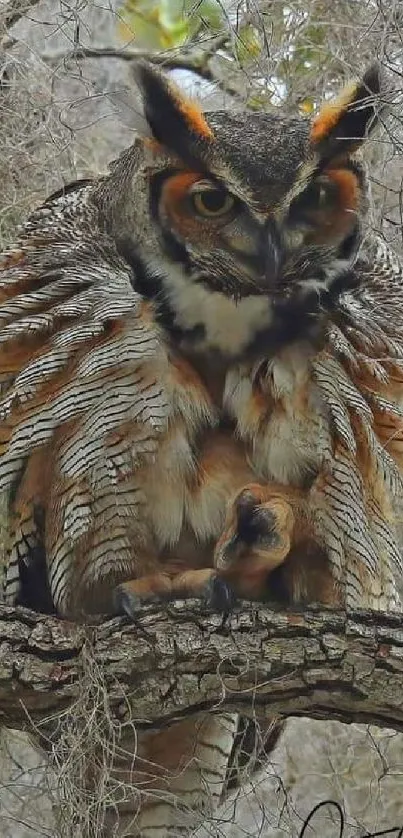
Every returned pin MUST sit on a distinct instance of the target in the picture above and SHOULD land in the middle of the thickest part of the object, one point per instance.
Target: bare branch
(173, 662)
(197, 59)
(14, 11)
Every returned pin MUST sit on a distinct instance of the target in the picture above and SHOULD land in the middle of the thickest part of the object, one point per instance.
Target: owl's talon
(126, 602)
(219, 596)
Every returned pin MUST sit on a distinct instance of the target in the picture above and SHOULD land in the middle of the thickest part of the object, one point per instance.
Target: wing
(331, 421)
(358, 498)
(84, 397)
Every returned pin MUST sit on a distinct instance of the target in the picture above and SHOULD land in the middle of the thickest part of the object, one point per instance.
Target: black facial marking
(291, 322)
(147, 283)
(309, 199)
(151, 286)
(301, 316)
(156, 184)
(173, 248)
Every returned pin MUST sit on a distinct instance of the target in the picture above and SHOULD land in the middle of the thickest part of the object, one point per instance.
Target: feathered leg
(175, 799)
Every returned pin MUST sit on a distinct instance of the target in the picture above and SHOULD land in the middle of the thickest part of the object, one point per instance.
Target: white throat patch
(230, 326)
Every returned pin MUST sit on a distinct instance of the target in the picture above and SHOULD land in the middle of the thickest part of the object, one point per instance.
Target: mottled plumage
(201, 360)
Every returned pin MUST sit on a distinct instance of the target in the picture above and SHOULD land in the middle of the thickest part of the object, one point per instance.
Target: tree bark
(174, 661)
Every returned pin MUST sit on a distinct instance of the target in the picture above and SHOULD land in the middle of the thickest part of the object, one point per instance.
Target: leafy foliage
(166, 24)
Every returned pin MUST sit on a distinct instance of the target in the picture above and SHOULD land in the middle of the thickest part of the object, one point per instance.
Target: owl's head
(252, 221)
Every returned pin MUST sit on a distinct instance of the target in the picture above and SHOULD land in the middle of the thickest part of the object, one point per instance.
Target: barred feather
(365, 489)
(335, 418)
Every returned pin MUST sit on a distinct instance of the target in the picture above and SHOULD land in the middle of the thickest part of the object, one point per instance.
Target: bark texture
(174, 661)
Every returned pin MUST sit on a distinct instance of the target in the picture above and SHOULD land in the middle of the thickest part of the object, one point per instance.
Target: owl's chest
(281, 417)
(228, 430)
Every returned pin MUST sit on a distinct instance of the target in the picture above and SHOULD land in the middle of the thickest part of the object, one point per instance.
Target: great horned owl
(201, 365)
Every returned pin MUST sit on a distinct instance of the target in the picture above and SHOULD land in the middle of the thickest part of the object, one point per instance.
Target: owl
(201, 367)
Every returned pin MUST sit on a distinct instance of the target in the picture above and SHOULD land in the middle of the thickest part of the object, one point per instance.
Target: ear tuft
(343, 125)
(175, 121)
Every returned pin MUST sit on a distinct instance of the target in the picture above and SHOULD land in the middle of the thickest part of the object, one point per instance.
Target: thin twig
(196, 60)
(15, 10)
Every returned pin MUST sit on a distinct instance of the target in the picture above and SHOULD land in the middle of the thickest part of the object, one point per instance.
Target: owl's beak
(272, 253)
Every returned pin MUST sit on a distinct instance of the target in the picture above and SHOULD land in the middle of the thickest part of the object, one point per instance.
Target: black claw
(125, 602)
(219, 595)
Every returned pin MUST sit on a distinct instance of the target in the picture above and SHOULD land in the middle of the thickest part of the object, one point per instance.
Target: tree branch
(172, 662)
(196, 59)
(14, 10)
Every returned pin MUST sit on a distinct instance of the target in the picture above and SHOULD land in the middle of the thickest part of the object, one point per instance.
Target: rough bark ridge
(175, 661)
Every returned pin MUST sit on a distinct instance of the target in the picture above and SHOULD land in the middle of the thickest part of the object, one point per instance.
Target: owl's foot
(131, 595)
(205, 584)
(257, 538)
(218, 594)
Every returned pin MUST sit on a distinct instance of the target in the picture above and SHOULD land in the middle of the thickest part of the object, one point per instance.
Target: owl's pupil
(213, 199)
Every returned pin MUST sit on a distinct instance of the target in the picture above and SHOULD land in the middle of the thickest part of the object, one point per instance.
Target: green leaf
(154, 24)
(206, 15)
(164, 24)
(248, 45)
(307, 106)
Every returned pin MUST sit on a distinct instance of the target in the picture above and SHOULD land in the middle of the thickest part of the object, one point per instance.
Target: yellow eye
(210, 201)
